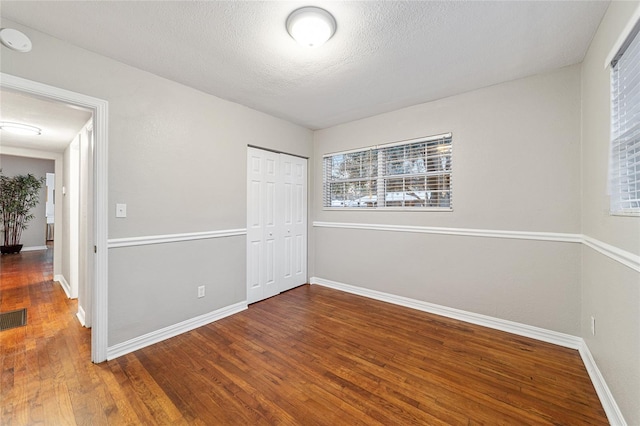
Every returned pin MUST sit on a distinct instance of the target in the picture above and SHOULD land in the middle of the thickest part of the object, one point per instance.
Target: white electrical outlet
(593, 325)
(201, 291)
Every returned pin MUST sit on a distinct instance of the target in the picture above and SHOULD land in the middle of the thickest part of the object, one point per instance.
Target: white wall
(177, 158)
(516, 167)
(35, 234)
(610, 290)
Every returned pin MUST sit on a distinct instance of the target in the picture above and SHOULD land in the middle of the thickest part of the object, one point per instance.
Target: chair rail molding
(173, 238)
(467, 232)
(624, 257)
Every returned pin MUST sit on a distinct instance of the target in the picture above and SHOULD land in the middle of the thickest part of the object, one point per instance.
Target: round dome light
(20, 129)
(311, 26)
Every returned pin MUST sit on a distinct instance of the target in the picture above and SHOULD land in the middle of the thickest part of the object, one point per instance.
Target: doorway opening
(96, 237)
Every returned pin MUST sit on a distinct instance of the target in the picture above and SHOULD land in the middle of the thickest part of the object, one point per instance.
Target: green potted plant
(18, 195)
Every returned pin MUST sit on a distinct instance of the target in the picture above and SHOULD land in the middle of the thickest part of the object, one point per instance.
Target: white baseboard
(525, 330)
(606, 398)
(80, 316)
(609, 404)
(173, 330)
(34, 248)
(64, 284)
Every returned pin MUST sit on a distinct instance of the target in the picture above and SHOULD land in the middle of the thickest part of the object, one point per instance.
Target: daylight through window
(625, 128)
(409, 174)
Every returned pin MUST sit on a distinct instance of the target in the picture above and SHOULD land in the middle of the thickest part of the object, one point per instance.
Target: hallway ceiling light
(20, 129)
(311, 26)
(15, 40)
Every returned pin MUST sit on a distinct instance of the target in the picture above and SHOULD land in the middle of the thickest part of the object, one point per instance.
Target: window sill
(632, 213)
(389, 209)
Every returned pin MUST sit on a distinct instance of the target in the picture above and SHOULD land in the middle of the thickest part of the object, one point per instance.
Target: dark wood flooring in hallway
(311, 356)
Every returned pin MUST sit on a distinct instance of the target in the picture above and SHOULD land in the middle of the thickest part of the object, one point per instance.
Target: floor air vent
(13, 319)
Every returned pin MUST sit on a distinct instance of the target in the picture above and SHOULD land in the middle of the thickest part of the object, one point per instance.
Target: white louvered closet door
(276, 223)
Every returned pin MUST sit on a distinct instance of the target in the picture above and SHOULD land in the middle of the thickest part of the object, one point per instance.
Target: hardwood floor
(311, 356)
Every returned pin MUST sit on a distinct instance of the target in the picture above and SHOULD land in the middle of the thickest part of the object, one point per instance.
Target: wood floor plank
(311, 356)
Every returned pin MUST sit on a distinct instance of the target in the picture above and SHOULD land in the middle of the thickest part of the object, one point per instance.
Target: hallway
(46, 373)
(34, 357)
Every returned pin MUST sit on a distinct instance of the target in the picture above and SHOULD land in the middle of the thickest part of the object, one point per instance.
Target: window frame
(625, 132)
(381, 178)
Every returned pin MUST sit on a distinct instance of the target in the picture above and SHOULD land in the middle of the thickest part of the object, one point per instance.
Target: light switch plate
(121, 210)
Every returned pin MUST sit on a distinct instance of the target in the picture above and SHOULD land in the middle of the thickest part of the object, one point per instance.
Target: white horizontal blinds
(625, 128)
(350, 179)
(412, 174)
(418, 174)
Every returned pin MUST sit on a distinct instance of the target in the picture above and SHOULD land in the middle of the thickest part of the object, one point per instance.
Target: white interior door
(262, 230)
(293, 248)
(276, 223)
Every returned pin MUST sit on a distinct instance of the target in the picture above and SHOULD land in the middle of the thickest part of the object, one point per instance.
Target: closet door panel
(276, 223)
(262, 224)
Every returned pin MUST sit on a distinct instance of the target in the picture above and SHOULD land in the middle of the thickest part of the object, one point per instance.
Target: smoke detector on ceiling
(15, 40)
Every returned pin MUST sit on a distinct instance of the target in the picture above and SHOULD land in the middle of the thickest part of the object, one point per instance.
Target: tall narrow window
(625, 128)
(406, 175)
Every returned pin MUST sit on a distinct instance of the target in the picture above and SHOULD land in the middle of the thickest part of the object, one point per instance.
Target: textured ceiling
(384, 55)
(59, 123)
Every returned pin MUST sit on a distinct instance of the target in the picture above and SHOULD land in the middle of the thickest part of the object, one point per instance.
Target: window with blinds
(625, 128)
(405, 175)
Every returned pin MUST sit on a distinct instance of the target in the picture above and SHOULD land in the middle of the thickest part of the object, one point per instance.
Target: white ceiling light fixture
(20, 129)
(15, 40)
(311, 26)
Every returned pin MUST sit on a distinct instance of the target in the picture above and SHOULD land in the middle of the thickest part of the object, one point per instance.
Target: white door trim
(100, 125)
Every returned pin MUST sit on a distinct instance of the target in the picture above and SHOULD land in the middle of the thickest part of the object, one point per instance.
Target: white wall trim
(34, 248)
(606, 397)
(614, 415)
(173, 330)
(64, 284)
(549, 336)
(173, 238)
(81, 316)
(626, 258)
(487, 233)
